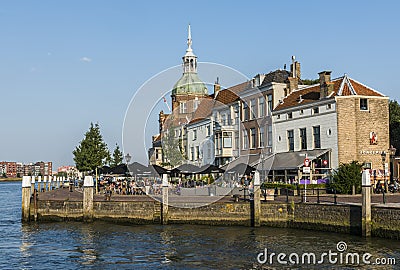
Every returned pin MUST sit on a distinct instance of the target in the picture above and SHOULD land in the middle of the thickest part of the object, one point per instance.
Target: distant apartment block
(17, 169)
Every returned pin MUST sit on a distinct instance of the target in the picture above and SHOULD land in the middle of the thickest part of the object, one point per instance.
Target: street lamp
(262, 167)
(127, 158)
(392, 153)
(383, 155)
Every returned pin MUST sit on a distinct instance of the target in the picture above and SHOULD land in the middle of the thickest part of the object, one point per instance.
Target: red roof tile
(341, 87)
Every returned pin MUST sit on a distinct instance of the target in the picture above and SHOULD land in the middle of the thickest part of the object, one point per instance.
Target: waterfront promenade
(63, 194)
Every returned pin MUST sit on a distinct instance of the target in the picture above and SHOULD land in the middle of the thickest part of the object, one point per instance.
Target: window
(253, 108)
(363, 104)
(223, 117)
(228, 119)
(269, 135)
(316, 110)
(245, 139)
(194, 134)
(303, 138)
(236, 140)
(317, 137)
(182, 107)
(227, 139)
(261, 107)
(270, 104)
(278, 116)
(236, 117)
(192, 153)
(290, 140)
(328, 106)
(245, 111)
(197, 152)
(290, 115)
(253, 137)
(261, 137)
(301, 111)
(367, 165)
(208, 130)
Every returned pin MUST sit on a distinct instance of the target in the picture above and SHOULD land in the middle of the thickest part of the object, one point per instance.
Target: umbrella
(137, 168)
(119, 169)
(188, 169)
(210, 168)
(104, 170)
(155, 169)
(242, 168)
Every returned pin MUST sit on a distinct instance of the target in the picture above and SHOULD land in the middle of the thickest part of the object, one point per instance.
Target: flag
(165, 101)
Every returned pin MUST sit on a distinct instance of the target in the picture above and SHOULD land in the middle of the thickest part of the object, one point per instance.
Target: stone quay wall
(322, 217)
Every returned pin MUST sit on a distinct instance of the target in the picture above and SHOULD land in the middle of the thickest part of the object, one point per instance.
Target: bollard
(39, 183)
(26, 198)
(32, 184)
(164, 203)
(366, 204)
(44, 184)
(256, 200)
(88, 193)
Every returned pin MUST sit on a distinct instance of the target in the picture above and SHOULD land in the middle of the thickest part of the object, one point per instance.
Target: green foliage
(4, 175)
(171, 148)
(347, 175)
(394, 123)
(276, 185)
(117, 157)
(289, 186)
(91, 151)
(309, 82)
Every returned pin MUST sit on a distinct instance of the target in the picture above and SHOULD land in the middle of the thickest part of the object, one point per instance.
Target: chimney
(295, 68)
(324, 77)
(293, 84)
(326, 86)
(217, 87)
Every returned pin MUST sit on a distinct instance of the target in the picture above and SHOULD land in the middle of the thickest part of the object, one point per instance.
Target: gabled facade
(338, 120)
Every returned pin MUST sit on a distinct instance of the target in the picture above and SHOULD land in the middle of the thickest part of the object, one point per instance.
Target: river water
(100, 245)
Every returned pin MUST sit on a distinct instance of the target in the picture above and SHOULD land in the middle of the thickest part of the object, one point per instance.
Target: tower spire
(189, 40)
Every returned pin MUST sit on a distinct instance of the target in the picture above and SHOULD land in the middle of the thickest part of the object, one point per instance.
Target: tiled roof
(203, 110)
(279, 76)
(229, 95)
(343, 86)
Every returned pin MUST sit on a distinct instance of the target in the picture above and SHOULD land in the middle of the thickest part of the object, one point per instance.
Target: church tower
(189, 89)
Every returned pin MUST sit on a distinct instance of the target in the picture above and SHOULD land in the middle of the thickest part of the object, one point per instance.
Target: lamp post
(383, 155)
(128, 158)
(392, 153)
(262, 167)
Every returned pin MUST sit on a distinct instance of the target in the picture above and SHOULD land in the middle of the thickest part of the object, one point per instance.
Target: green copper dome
(189, 84)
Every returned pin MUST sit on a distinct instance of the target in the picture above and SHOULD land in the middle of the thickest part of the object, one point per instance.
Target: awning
(288, 160)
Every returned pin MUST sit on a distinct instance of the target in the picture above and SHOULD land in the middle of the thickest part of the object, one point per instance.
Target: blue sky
(64, 64)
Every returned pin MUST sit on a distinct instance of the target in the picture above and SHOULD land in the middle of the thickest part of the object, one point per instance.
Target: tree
(171, 148)
(347, 176)
(91, 151)
(394, 124)
(117, 157)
